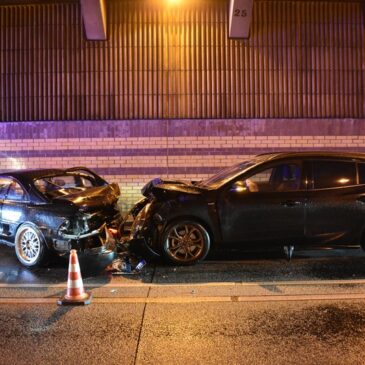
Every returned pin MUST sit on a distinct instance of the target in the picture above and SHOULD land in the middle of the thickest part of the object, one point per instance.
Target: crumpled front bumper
(77, 237)
(96, 242)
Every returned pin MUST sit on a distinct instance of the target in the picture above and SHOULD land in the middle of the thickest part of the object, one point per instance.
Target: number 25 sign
(240, 13)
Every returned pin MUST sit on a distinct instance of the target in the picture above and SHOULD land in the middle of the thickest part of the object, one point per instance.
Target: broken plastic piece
(126, 265)
(140, 266)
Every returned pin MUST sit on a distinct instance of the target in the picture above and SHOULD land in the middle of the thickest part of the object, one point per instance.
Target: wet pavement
(243, 308)
(231, 267)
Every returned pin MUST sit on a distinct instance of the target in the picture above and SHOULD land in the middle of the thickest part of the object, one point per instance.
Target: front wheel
(185, 243)
(30, 247)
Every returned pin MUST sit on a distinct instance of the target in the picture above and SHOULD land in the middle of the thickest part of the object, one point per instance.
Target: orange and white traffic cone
(76, 294)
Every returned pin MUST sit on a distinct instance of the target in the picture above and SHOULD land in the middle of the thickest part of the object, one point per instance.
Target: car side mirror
(238, 187)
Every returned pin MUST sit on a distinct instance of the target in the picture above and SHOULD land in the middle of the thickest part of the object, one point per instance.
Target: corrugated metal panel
(303, 59)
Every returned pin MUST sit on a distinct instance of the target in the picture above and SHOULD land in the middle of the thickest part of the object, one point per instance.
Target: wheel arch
(42, 251)
(37, 228)
(196, 219)
(201, 249)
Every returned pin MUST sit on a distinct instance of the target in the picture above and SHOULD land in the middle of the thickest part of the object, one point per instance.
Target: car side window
(4, 186)
(85, 182)
(333, 174)
(15, 192)
(280, 178)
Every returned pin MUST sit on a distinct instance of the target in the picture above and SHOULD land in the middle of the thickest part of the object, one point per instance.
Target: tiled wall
(133, 152)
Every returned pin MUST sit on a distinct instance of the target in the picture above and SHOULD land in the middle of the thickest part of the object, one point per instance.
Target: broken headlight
(79, 226)
(140, 220)
(65, 227)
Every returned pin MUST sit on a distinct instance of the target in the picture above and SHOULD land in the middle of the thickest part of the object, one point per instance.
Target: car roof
(31, 174)
(313, 154)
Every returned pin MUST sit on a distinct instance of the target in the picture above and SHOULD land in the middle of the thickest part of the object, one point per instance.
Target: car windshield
(226, 174)
(64, 184)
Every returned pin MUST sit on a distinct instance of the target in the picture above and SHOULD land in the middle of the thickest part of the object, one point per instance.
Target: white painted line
(195, 299)
(178, 285)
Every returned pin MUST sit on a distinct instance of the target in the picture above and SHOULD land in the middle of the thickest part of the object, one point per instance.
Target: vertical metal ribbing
(303, 59)
(361, 53)
(2, 56)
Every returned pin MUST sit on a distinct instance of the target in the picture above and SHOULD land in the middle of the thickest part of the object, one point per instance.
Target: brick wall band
(132, 153)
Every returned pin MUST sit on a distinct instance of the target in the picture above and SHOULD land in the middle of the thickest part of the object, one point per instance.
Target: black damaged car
(53, 210)
(275, 200)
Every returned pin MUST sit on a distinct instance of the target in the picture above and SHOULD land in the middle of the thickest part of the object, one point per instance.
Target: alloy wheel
(186, 242)
(28, 245)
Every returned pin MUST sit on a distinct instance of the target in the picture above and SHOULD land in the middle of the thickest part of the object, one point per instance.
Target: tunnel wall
(133, 152)
(168, 94)
(304, 59)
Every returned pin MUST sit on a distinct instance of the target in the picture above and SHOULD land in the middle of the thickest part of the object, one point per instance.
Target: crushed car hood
(92, 198)
(157, 187)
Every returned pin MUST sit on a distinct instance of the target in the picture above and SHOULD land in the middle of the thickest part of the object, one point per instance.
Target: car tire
(30, 247)
(185, 243)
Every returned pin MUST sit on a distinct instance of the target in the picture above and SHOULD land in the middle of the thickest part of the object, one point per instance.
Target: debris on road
(140, 265)
(288, 251)
(127, 263)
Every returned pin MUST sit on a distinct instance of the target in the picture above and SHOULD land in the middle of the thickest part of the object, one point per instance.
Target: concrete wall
(133, 152)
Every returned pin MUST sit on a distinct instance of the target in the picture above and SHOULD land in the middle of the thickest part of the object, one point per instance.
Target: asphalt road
(242, 309)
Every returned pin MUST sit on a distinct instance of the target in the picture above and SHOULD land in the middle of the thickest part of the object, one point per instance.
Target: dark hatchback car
(53, 210)
(276, 200)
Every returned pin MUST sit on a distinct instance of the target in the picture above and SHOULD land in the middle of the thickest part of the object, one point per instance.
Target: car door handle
(291, 203)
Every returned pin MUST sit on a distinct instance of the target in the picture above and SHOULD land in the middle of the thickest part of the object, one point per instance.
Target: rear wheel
(185, 243)
(30, 247)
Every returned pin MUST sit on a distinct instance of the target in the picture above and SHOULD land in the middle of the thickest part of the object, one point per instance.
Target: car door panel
(335, 216)
(13, 210)
(250, 215)
(12, 214)
(4, 186)
(262, 217)
(335, 209)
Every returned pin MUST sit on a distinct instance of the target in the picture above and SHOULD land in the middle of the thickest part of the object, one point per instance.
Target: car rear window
(333, 174)
(64, 184)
